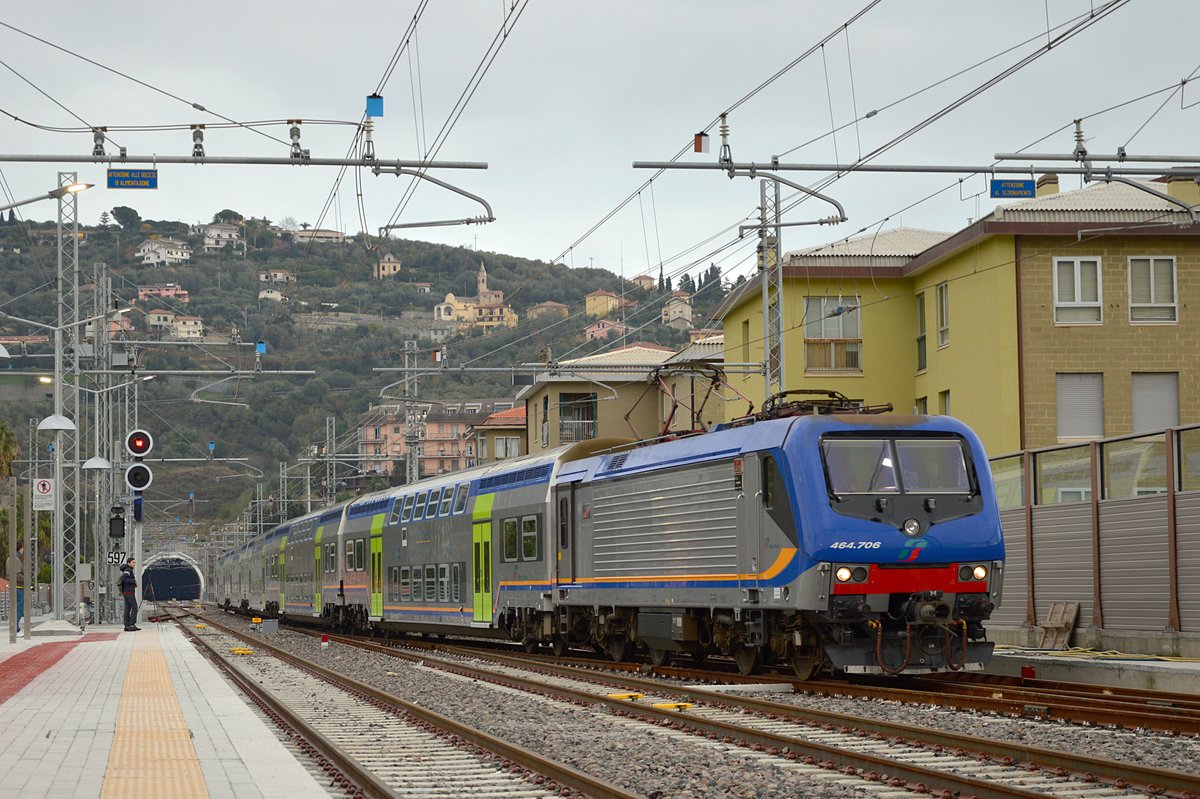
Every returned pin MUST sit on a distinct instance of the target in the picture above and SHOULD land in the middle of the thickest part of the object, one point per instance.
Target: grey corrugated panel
(681, 522)
(1187, 533)
(1062, 558)
(1134, 573)
(1016, 568)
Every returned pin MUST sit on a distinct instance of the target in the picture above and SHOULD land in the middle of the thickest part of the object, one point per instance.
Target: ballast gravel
(664, 764)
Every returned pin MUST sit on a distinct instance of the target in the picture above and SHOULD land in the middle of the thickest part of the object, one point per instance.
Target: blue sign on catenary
(133, 178)
(1013, 188)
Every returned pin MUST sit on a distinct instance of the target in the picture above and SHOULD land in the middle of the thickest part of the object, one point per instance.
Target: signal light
(116, 522)
(139, 443)
(138, 476)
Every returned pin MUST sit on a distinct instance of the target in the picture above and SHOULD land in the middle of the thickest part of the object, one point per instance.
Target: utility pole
(412, 422)
(770, 271)
(330, 462)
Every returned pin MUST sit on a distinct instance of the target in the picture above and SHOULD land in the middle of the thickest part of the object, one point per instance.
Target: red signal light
(138, 443)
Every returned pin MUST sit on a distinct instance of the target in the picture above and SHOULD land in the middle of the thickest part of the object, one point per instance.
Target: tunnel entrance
(171, 578)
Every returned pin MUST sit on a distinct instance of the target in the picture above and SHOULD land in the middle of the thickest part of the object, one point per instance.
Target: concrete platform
(118, 714)
(1146, 672)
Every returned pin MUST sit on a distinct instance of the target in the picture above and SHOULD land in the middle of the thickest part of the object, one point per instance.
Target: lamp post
(58, 424)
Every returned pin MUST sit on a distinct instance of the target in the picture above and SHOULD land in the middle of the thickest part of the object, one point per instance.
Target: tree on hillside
(105, 220)
(227, 215)
(289, 223)
(126, 217)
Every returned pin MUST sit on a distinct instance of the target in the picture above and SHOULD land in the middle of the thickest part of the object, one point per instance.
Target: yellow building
(1054, 319)
(601, 303)
(386, 266)
(485, 310)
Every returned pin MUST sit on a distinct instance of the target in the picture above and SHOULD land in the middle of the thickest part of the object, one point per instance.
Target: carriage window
(408, 507)
(510, 540)
(460, 498)
(397, 506)
(447, 498)
(564, 523)
(419, 509)
(405, 584)
(529, 538)
(360, 554)
(430, 582)
(403, 536)
(418, 594)
(349, 566)
(443, 582)
(394, 584)
(432, 509)
(455, 582)
(933, 466)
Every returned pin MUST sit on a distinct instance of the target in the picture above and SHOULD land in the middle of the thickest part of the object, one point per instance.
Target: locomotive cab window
(895, 466)
(770, 481)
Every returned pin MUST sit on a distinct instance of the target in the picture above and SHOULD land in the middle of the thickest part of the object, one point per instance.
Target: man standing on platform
(16, 573)
(128, 585)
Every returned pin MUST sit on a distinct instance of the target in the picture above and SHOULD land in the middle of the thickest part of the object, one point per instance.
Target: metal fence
(1112, 524)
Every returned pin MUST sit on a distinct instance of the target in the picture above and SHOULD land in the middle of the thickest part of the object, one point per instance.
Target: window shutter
(1080, 405)
(1164, 280)
(1155, 401)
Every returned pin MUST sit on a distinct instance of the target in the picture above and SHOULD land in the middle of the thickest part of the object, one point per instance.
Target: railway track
(1012, 696)
(885, 757)
(377, 745)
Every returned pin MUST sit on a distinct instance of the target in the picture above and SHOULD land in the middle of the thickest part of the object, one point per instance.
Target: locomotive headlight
(980, 572)
(912, 527)
(843, 574)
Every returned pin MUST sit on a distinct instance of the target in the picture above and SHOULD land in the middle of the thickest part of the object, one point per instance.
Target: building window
(1080, 405)
(832, 339)
(1155, 401)
(1077, 293)
(576, 417)
(944, 402)
(943, 314)
(1152, 290)
(921, 333)
(506, 447)
(921, 406)
(745, 341)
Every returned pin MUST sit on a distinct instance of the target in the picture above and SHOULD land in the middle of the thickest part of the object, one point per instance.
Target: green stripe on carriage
(377, 524)
(483, 507)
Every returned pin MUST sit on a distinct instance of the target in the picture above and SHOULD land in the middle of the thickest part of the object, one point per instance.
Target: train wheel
(805, 665)
(748, 658)
(558, 646)
(659, 657)
(618, 649)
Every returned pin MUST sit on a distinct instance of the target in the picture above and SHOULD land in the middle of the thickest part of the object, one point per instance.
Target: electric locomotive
(831, 541)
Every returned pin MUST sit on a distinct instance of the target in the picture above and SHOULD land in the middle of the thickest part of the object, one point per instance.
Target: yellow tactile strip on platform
(152, 753)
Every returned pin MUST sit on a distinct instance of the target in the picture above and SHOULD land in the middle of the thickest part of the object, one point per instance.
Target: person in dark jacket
(128, 585)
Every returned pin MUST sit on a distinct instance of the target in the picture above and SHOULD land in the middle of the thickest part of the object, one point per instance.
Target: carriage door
(564, 568)
(377, 565)
(481, 556)
(283, 574)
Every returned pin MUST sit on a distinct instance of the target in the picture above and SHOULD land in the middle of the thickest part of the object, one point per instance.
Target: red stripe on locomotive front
(909, 580)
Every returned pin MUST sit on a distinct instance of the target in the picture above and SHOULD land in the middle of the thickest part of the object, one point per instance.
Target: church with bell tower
(485, 310)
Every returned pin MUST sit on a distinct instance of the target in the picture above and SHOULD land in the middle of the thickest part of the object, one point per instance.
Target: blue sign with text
(1013, 188)
(133, 178)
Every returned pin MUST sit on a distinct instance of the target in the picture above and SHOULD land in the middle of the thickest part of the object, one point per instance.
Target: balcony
(573, 430)
(833, 355)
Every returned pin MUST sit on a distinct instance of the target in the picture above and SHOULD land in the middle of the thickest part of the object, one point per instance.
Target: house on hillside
(646, 282)
(166, 291)
(276, 276)
(223, 235)
(1027, 328)
(318, 236)
(548, 309)
(387, 266)
(603, 328)
(272, 294)
(422, 288)
(163, 252)
(677, 310)
(189, 328)
(485, 310)
(163, 320)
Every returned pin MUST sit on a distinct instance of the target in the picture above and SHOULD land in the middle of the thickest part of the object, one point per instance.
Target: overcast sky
(578, 91)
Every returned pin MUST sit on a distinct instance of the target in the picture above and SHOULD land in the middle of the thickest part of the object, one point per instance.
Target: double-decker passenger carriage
(843, 541)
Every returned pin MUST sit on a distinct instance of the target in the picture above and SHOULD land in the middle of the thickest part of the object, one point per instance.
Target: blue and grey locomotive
(848, 542)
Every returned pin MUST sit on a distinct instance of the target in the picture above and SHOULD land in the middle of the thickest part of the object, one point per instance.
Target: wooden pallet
(1060, 621)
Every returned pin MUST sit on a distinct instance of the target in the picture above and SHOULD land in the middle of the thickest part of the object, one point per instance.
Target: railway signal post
(138, 478)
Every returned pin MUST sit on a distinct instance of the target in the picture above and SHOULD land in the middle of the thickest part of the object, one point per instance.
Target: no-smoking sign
(43, 494)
